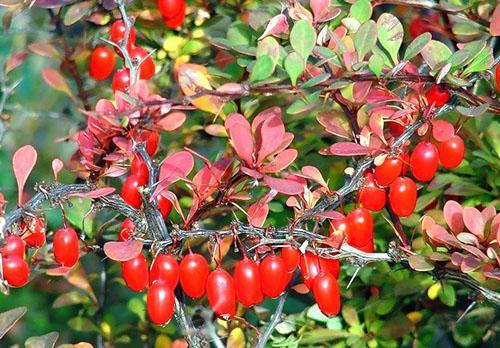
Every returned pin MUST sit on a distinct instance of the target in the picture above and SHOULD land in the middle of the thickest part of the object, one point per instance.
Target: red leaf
(469, 264)
(488, 213)
(361, 90)
(44, 49)
(285, 186)
(95, 194)
(452, 212)
(381, 95)
(276, 26)
(473, 220)
(332, 123)
(314, 174)
(257, 214)
(23, 161)
(176, 166)
(269, 137)
(15, 60)
(251, 173)
(319, 6)
(123, 251)
(495, 228)
(440, 235)
(495, 22)
(172, 121)
(57, 166)
(55, 80)
(280, 162)
(241, 137)
(58, 271)
(377, 125)
(345, 148)
(331, 214)
(442, 130)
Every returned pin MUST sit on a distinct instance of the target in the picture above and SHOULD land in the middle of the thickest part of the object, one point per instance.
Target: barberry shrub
(249, 173)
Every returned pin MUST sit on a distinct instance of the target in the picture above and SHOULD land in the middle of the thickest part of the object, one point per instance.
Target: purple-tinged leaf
(94, 194)
(420, 263)
(257, 212)
(44, 49)
(452, 212)
(23, 161)
(123, 251)
(488, 213)
(345, 148)
(473, 220)
(475, 251)
(285, 186)
(495, 22)
(55, 80)
(469, 264)
(439, 235)
(468, 238)
(251, 172)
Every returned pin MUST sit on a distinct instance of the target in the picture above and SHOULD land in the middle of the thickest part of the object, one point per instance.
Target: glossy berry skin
(368, 248)
(160, 303)
(291, 256)
(339, 225)
(176, 22)
(135, 273)
(424, 161)
(273, 274)
(451, 152)
(147, 67)
(405, 160)
(117, 33)
(311, 265)
(371, 196)
(497, 77)
(130, 193)
(164, 205)
(221, 293)
(139, 167)
(437, 95)
(14, 246)
(66, 248)
(389, 170)
(360, 230)
(403, 196)
(126, 230)
(15, 270)
(171, 8)
(247, 282)
(102, 63)
(326, 292)
(193, 275)
(164, 269)
(152, 141)
(121, 80)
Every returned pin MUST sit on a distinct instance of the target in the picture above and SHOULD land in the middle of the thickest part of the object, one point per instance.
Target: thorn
(467, 310)
(353, 277)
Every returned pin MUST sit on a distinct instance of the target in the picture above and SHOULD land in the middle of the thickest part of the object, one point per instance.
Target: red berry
(121, 80)
(152, 143)
(424, 161)
(165, 269)
(165, 205)
(15, 270)
(66, 248)
(291, 256)
(405, 160)
(139, 167)
(171, 8)
(14, 246)
(360, 230)
(368, 248)
(147, 67)
(126, 230)
(130, 193)
(247, 282)
(117, 33)
(102, 63)
(326, 292)
(273, 274)
(176, 22)
(370, 195)
(417, 27)
(33, 230)
(135, 273)
(193, 275)
(437, 95)
(311, 265)
(403, 196)
(451, 152)
(338, 224)
(160, 303)
(497, 77)
(389, 170)
(221, 293)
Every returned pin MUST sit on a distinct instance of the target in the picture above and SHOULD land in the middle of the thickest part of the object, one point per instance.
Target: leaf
(417, 45)
(345, 148)
(316, 80)
(315, 313)
(123, 251)
(55, 80)
(314, 174)
(303, 38)
(15, 60)
(439, 235)
(447, 295)
(442, 130)
(77, 11)
(104, 191)
(495, 22)
(262, 69)
(280, 162)
(331, 120)
(269, 137)
(257, 213)
(44, 49)
(350, 315)
(285, 186)
(172, 121)
(174, 167)
(452, 212)
(45, 341)
(361, 10)
(390, 34)
(435, 53)
(294, 66)
(23, 162)
(82, 324)
(51, 3)
(240, 133)
(473, 111)
(376, 64)
(9, 318)
(473, 220)
(194, 78)
(482, 62)
(277, 25)
(365, 39)
(57, 166)
(79, 216)
(420, 263)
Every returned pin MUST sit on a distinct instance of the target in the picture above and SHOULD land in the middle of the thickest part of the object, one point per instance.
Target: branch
(275, 320)
(187, 327)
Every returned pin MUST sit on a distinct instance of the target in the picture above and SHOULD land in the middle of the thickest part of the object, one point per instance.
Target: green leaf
(240, 34)
(70, 298)
(79, 216)
(447, 295)
(376, 64)
(435, 54)
(361, 10)
(483, 61)
(334, 323)
(396, 327)
(315, 80)
(390, 34)
(45, 341)
(77, 11)
(262, 69)
(9, 318)
(426, 199)
(294, 66)
(82, 324)
(420, 263)
(365, 38)
(138, 307)
(417, 45)
(303, 38)
(286, 327)
(473, 111)
(304, 104)
(385, 306)
(270, 47)
(350, 315)
(314, 313)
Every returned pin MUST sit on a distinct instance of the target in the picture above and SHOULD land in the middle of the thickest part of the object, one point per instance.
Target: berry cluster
(172, 12)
